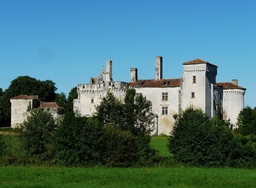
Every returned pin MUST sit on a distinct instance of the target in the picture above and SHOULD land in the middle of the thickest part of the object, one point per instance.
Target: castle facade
(169, 96)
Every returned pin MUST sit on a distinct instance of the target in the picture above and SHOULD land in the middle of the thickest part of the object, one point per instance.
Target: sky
(68, 41)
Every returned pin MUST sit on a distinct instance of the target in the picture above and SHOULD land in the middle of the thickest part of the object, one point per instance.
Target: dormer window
(194, 79)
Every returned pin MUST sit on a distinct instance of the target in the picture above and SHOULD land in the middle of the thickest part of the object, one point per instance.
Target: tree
(61, 100)
(197, 140)
(121, 147)
(25, 85)
(1, 92)
(71, 96)
(110, 110)
(134, 115)
(38, 134)
(246, 121)
(79, 141)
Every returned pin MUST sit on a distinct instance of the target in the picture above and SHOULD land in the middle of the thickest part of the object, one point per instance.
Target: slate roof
(229, 85)
(197, 61)
(26, 97)
(156, 83)
(48, 105)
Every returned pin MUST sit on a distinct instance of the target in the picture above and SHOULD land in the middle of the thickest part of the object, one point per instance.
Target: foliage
(110, 110)
(24, 85)
(196, 140)
(71, 96)
(78, 141)
(134, 115)
(120, 147)
(61, 100)
(2, 146)
(242, 152)
(246, 121)
(38, 133)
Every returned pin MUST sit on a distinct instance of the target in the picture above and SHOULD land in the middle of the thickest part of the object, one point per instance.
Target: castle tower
(159, 68)
(197, 86)
(233, 100)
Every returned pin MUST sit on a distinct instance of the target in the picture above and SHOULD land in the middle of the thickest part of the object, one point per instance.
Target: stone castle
(197, 87)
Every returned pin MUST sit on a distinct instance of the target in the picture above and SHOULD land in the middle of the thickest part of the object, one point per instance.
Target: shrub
(79, 141)
(2, 146)
(196, 140)
(242, 152)
(121, 147)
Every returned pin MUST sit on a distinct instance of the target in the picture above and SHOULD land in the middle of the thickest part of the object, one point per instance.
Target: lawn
(160, 144)
(145, 177)
(126, 177)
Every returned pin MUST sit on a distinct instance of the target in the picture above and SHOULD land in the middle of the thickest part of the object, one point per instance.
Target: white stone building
(197, 88)
(22, 105)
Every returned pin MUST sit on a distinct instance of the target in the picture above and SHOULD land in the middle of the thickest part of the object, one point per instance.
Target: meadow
(98, 176)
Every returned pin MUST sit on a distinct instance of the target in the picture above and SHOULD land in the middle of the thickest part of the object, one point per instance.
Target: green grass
(160, 143)
(126, 177)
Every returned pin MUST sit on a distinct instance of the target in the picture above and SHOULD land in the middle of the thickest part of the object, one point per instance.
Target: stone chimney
(134, 74)
(109, 71)
(159, 68)
(235, 81)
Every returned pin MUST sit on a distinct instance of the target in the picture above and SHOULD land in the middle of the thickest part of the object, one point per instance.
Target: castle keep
(197, 87)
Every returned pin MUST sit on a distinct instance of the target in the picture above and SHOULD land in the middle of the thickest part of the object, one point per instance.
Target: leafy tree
(246, 121)
(79, 141)
(110, 110)
(38, 134)
(197, 140)
(24, 85)
(121, 147)
(242, 151)
(1, 92)
(134, 115)
(71, 96)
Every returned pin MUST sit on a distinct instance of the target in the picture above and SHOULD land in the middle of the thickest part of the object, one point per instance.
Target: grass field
(61, 177)
(160, 144)
(126, 177)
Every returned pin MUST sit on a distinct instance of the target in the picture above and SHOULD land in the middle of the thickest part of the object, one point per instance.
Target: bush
(2, 146)
(121, 147)
(195, 140)
(38, 133)
(242, 152)
(79, 141)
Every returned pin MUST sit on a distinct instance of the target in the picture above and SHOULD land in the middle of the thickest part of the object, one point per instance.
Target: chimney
(109, 71)
(235, 81)
(159, 68)
(134, 74)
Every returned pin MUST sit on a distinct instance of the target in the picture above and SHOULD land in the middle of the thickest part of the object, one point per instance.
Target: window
(92, 101)
(192, 94)
(194, 79)
(164, 110)
(164, 96)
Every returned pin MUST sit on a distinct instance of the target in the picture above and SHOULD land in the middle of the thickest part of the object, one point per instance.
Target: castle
(197, 87)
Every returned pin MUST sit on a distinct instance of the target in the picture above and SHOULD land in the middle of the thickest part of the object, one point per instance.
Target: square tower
(197, 86)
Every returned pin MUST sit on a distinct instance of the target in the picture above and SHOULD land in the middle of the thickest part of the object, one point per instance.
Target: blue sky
(68, 41)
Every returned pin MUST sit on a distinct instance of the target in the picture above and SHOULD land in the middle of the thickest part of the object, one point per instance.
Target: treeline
(118, 135)
(25, 85)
